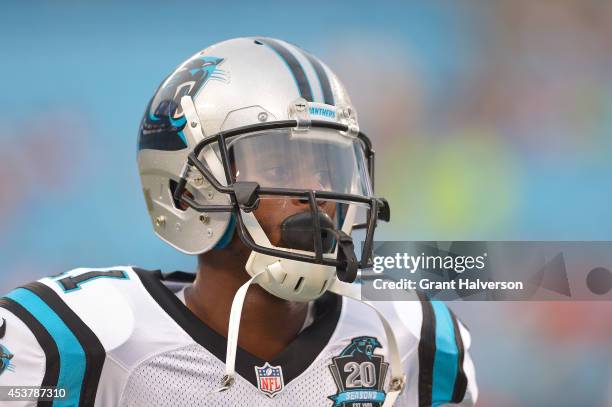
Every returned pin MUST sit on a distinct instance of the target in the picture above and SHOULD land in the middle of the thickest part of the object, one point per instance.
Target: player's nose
(314, 185)
(303, 204)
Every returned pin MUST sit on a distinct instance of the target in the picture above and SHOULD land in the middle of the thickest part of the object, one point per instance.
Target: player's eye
(276, 174)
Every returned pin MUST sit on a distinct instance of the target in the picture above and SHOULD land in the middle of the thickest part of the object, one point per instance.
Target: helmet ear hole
(181, 206)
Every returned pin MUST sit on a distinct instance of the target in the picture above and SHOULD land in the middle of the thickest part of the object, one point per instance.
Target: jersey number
(74, 282)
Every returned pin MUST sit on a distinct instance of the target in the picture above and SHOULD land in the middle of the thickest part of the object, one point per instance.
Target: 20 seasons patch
(359, 374)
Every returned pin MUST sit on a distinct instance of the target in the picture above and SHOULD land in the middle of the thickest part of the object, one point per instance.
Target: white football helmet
(212, 127)
(251, 122)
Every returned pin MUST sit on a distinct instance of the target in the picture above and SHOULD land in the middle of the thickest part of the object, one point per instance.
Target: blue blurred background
(492, 120)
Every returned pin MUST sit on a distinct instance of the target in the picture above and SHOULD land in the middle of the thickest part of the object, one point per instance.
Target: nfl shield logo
(270, 379)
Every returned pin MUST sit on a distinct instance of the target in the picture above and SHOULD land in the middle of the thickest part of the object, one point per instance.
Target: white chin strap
(398, 378)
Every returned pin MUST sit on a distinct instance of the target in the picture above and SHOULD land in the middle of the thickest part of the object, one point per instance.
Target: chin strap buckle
(397, 384)
(226, 382)
(346, 255)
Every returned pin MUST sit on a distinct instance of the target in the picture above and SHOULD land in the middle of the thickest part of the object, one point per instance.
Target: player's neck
(268, 323)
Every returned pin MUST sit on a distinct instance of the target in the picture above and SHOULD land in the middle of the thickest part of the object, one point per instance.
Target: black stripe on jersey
(294, 66)
(427, 351)
(94, 351)
(294, 359)
(305, 348)
(45, 341)
(461, 378)
(328, 95)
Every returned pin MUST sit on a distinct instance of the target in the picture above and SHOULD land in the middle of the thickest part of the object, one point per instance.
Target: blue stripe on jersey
(446, 357)
(71, 353)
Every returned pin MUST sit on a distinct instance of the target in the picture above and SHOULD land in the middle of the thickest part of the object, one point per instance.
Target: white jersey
(121, 337)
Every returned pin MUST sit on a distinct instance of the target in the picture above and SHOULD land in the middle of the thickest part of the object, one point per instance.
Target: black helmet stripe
(328, 95)
(294, 66)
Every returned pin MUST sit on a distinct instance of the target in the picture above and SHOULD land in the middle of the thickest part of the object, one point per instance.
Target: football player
(250, 157)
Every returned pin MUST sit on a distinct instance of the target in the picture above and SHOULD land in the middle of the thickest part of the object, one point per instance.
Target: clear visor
(317, 159)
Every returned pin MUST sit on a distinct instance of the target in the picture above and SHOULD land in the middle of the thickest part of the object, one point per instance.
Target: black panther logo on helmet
(163, 123)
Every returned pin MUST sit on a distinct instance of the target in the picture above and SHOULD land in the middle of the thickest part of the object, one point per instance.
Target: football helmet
(251, 123)
(248, 120)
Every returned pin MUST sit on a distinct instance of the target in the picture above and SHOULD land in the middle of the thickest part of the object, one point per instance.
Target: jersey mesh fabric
(185, 377)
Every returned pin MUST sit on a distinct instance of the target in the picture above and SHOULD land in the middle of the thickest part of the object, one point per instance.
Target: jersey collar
(294, 359)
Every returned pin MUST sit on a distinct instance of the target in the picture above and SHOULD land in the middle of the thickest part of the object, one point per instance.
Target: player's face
(276, 169)
(317, 160)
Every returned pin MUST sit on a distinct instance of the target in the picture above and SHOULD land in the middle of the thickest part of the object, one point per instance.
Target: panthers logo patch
(359, 374)
(5, 355)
